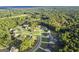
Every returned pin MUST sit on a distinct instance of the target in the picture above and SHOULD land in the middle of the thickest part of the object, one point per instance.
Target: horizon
(33, 6)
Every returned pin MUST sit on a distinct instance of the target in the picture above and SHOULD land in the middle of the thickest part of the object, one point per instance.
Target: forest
(23, 29)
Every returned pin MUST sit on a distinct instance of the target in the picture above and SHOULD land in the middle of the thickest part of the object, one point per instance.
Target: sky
(16, 6)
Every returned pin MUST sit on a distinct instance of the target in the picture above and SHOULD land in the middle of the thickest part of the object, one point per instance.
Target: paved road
(39, 42)
(46, 50)
(37, 45)
(51, 42)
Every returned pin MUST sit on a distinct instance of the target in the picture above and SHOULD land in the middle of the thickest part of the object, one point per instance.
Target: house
(16, 35)
(13, 49)
(39, 26)
(24, 26)
(49, 31)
